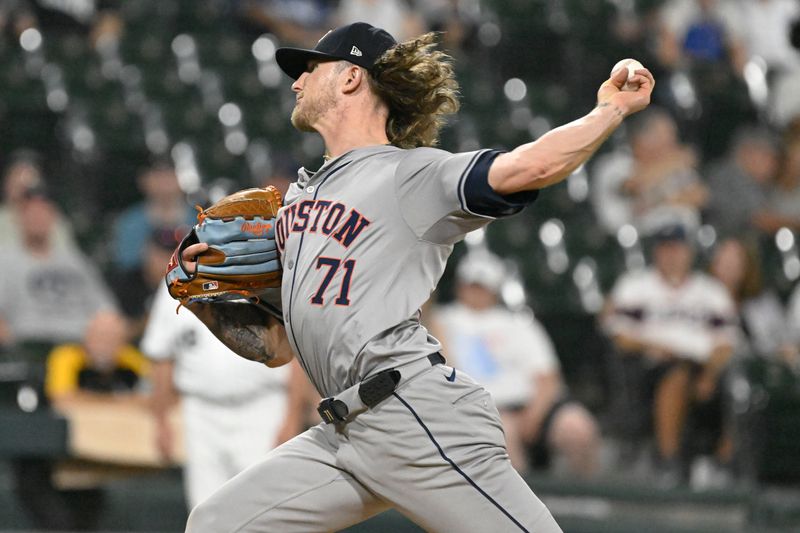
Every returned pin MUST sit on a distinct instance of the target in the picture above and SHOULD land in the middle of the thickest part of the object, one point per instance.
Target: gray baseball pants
(434, 450)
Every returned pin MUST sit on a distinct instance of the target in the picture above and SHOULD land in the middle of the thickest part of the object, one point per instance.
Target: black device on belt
(372, 391)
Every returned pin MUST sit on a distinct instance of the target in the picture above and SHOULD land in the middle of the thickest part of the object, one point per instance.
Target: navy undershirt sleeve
(481, 199)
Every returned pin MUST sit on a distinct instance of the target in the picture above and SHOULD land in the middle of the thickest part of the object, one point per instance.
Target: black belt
(371, 391)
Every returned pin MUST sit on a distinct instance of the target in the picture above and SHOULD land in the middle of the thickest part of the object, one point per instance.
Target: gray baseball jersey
(364, 240)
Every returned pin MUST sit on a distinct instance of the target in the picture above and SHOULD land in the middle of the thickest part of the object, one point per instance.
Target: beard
(300, 120)
(311, 108)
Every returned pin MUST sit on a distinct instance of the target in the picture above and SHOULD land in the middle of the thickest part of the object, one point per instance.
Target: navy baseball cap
(359, 43)
(671, 233)
(37, 190)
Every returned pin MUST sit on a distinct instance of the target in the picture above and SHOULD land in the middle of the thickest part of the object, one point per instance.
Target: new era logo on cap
(359, 43)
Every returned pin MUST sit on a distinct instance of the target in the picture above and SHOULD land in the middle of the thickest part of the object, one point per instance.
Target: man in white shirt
(679, 327)
(513, 356)
(234, 410)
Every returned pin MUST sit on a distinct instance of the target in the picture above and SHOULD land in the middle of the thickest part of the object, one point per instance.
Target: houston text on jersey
(320, 216)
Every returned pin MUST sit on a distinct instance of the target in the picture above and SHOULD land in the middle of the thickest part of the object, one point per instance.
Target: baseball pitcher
(361, 243)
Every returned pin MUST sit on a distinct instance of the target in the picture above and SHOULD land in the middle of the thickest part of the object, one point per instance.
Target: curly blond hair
(418, 85)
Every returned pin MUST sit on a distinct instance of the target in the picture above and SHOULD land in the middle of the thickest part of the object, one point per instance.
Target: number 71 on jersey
(333, 266)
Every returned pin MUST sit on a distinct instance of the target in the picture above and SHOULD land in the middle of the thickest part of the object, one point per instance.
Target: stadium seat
(775, 402)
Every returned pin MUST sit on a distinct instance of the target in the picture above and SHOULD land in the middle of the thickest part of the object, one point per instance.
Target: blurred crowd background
(641, 321)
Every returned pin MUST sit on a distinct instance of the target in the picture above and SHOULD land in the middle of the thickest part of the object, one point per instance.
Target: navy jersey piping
(477, 196)
(460, 187)
(294, 276)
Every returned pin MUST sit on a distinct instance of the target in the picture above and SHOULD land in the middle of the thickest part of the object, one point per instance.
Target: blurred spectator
(282, 173)
(100, 367)
(767, 31)
(24, 173)
(15, 17)
(458, 20)
(234, 410)
(398, 17)
(674, 330)
(701, 44)
(91, 17)
(164, 206)
(512, 355)
(784, 196)
(701, 31)
(657, 185)
(47, 293)
(737, 265)
(135, 288)
(785, 94)
(792, 351)
(785, 102)
(611, 204)
(294, 22)
(740, 185)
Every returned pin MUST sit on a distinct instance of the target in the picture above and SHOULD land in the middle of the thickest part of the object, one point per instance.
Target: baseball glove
(242, 258)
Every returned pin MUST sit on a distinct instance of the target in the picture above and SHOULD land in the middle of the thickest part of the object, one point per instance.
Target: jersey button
(290, 264)
(310, 189)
